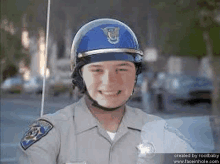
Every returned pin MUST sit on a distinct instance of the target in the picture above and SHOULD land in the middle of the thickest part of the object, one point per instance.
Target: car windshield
(7, 81)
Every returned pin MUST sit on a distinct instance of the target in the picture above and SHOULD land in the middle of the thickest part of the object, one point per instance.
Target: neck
(109, 119)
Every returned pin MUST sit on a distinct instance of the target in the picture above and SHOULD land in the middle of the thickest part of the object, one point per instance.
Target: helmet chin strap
(95, 104)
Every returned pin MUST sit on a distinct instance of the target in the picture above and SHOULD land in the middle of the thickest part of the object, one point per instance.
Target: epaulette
(37, 130)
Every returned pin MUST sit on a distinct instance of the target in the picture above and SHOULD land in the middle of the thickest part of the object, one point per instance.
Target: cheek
(129, 81)
(91, 82)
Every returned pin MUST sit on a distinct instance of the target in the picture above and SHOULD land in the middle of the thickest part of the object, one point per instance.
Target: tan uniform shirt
(76, 136)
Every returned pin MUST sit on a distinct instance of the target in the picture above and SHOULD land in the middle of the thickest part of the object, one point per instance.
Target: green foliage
(11, 53)
(208, 4)
(181, 28)
(215, 36)
(9, 71)
(193, 43)
(13, 10)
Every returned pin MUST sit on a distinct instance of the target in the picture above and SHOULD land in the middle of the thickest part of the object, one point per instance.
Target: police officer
(100, 127)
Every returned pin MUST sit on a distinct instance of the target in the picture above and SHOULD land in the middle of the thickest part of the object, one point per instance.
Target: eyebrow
(94, 66)
(124, 64)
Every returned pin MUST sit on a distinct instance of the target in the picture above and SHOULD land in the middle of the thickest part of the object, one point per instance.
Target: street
(18, 112)
(16, 115)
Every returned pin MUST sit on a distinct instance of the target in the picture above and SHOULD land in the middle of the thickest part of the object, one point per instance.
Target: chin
(111, 101)
(111, 104)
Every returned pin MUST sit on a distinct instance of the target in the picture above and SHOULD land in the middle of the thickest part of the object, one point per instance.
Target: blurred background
(180, 80)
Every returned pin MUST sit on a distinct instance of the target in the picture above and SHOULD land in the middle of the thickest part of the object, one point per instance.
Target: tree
(12, 51)
(12, 13)
(191, 28)
(11, 54)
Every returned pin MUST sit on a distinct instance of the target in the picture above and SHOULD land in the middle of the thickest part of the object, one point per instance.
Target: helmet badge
(112, 34)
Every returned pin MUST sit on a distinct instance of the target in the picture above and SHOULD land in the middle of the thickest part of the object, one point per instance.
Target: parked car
(58, 88)
(34, 85)
(158, 82)
(185, 87)
(12, 85)
(137, 95)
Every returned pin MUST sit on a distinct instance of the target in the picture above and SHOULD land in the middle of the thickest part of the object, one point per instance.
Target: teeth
(109, 93)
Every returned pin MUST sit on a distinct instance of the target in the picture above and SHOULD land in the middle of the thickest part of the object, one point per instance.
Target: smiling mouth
(110, 93)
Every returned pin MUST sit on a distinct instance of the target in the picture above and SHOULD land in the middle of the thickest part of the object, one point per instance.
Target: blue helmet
(104, 40)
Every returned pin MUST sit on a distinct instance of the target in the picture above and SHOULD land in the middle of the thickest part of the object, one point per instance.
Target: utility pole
(150, 57)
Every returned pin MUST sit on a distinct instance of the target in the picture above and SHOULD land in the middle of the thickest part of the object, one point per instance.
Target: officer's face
(110, 83)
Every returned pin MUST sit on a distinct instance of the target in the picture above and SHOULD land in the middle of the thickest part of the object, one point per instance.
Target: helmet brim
(134, 58)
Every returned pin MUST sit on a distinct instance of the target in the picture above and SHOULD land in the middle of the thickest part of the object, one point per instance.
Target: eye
(122, 69)
(96, 70)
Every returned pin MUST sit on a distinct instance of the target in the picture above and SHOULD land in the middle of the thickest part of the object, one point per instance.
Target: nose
(110, 77)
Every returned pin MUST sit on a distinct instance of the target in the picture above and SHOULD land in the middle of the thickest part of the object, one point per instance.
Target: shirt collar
(83, 117)
(85, 120)
(132, 119)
